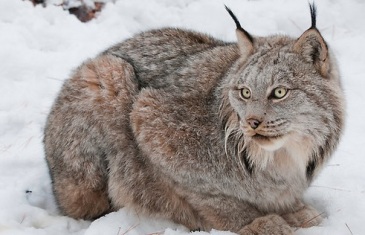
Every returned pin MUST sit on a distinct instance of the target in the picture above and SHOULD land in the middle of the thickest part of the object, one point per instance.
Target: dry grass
(128, 230)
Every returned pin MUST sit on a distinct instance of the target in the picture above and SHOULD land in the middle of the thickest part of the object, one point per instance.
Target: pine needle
(337, 189)
(349, 228)
(156, 233)
(128, 230)
(308, 221)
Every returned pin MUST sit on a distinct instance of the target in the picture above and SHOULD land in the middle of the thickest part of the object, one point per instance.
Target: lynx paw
(267, 225)
(305, 217)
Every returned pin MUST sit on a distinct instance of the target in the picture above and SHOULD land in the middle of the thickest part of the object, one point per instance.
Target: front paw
(267, 225)
(304, 218)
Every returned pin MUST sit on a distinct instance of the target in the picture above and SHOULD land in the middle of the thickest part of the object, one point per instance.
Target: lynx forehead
(210, 134)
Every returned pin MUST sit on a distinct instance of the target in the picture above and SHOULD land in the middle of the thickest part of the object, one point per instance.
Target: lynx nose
(254, 123)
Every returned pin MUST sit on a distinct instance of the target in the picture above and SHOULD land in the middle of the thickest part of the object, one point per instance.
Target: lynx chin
(209, 134)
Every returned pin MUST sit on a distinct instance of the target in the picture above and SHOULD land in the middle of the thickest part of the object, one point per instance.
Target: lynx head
(283, 96)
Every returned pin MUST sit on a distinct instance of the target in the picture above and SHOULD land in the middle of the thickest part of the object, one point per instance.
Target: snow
(40, 47)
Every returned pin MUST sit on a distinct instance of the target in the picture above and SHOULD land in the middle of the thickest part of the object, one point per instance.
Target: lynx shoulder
(210, 134)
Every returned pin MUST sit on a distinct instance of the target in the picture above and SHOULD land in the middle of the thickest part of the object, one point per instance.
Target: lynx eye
(245, 93)
(279, 92)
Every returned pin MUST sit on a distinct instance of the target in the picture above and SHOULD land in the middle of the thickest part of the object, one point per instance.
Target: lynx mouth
(269, 142)
(264, 137)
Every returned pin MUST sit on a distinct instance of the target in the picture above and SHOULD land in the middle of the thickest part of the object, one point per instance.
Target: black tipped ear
(312, 46)
(313, 10)
(244, 39)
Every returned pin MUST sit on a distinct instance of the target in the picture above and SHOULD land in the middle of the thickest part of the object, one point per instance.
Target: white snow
(39, 47)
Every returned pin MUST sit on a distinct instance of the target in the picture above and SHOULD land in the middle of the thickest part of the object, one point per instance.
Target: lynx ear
(312, 46)
(244, 39)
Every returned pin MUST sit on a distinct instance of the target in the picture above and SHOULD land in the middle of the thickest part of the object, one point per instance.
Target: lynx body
(209, 134)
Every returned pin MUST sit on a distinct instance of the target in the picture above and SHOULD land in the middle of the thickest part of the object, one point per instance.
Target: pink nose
(254, 123)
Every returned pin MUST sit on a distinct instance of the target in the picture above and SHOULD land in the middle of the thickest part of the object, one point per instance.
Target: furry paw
(305, 217)
(267, 225)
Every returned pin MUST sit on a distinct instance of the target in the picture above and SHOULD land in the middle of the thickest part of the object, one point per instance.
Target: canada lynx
(209, 134)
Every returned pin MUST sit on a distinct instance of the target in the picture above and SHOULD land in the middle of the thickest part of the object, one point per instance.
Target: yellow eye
(279, 92)
(245, 93)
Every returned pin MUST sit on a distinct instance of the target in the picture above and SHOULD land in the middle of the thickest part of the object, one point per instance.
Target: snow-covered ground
(39, 47)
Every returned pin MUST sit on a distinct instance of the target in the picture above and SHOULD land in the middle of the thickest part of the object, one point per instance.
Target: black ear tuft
(238, 25)
(313, 10)
(312, 46)
(244, 39)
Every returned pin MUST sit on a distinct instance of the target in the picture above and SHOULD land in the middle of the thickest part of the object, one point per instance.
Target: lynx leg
(226, 213)
(135, 185)
(267, 225)
(79, 178)
(305, 217)
(81, 201)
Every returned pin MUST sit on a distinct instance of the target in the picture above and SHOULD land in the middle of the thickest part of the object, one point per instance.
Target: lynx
(209, 134)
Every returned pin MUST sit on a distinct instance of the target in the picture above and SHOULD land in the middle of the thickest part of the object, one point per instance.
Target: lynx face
(276, 93)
